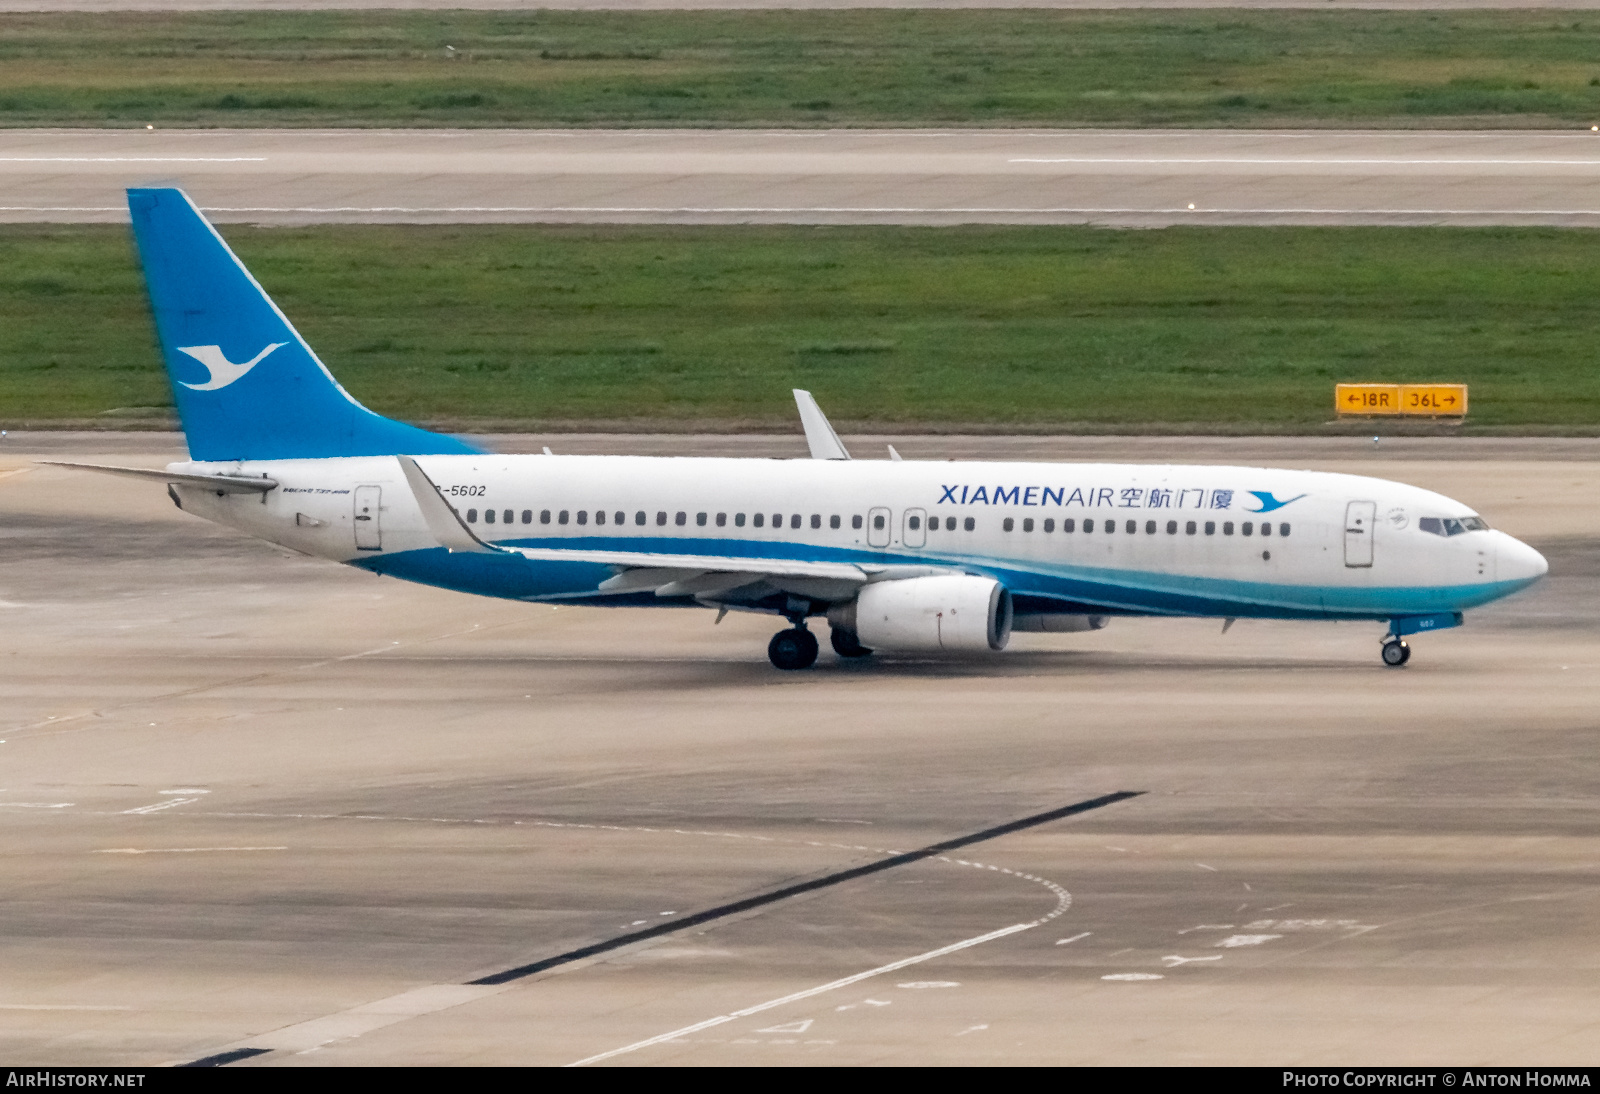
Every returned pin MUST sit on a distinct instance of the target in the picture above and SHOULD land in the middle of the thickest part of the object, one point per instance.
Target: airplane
(897, 556)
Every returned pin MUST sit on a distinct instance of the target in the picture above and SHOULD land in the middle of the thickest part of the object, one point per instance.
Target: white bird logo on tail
(223, 371)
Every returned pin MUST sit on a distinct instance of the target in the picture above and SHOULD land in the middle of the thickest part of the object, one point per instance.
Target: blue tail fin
(247, 385)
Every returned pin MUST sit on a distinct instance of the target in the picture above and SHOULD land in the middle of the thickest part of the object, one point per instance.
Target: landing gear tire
(1396, 652)
(793, 649)
(846, 644)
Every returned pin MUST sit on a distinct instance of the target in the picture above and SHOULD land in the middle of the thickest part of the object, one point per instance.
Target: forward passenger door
(1359, 517)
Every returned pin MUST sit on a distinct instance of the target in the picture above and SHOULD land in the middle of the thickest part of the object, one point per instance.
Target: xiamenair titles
(893, 556)
(1197, 498)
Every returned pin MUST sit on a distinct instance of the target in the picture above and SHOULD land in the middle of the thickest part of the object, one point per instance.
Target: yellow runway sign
(1413, 400)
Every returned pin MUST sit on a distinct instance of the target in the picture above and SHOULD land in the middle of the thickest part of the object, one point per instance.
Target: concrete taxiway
(250, 800)
(1134, 178)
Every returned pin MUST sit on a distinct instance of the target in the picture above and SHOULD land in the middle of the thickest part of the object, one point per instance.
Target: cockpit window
(1451, 526)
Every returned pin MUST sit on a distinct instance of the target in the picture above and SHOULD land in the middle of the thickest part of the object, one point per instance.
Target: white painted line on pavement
(807, 994)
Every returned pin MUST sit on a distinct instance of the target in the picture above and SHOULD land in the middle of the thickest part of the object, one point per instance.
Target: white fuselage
(1165, 539)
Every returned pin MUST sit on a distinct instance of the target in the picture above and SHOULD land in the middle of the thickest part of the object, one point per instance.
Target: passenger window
(759, 519)
(1007, 524)
(1283, 529)
(1266, 528)
(1111, 526)
(877, 523)
(722, 520)
(1227, 527)
(621, 518)
(681, 519)
(855, 522)
(1088, 524)
(1068, 525)
(599, 516)
(1149, 527)
(816, 520)
(544, 516)
(639, 518)
(488, 516)
(561, 518)
(527, 516)
(738, 520)
(833, 521)
(583, 516)
(700, 519)
(970, 524)
(1247, 529)
(1188, 529)
(794, 521)
(949, 524)
(1027, 524)
(1131, 527)
(1172, 527)
(508, 517)
(1049, 525)
(913, 523)
(1211, 527)
(472, 516)
(661, 518)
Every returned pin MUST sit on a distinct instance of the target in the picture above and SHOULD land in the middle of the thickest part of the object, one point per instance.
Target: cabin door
(915, 533)
(369, 534)
(878, 529)
(1359, 518)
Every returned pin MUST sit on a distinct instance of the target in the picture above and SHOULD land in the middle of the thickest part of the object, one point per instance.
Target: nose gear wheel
(1396, 652)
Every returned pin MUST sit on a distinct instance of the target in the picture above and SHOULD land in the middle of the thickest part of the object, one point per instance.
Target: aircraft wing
(226, 484)
(820, 437)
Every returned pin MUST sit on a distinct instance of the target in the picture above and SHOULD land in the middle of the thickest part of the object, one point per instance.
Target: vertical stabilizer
(248, 387)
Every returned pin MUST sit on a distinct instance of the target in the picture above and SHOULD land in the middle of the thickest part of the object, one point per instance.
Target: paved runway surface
(1140, 178)
(257, 801)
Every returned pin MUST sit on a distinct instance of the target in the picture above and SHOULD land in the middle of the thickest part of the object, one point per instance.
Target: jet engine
(937, 614)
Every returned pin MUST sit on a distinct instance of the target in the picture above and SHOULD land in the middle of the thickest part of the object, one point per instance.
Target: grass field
(1231, 68)
(1027, 327)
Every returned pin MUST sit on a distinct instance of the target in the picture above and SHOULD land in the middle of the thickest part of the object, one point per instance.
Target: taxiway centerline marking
(820, 989)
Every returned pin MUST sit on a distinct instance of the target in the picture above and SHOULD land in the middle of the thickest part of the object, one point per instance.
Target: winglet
(443, 521)
(820, 437)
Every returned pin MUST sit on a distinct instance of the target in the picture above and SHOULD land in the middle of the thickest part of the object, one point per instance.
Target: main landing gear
(1395, 651)
(792, 649)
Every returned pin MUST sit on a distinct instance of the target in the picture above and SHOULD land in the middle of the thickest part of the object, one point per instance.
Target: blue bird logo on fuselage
(1269, 503)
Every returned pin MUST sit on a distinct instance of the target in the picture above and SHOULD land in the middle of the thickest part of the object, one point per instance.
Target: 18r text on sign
(1418, 400)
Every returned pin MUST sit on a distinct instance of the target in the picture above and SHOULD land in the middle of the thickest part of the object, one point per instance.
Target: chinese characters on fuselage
(1092, 497)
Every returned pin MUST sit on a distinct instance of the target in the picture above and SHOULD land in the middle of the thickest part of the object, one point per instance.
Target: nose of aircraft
(1518, 562)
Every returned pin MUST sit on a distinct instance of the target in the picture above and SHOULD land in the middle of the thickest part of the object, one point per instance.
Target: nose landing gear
(793, 649)
(1395, 651)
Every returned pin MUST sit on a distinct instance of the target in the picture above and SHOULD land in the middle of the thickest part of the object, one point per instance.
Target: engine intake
(952, 614)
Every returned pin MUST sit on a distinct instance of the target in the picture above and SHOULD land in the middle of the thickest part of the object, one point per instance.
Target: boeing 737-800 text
(905, 556)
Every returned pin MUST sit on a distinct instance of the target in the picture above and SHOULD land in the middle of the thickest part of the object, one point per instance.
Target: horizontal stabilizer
(225, 484)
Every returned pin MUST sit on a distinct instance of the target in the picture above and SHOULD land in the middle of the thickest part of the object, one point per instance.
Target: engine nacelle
(1057, 623)
(959, 613)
